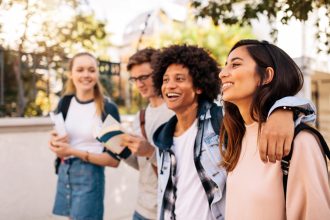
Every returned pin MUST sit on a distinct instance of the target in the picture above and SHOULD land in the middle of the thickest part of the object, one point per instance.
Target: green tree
(51, 38)
(241, 12)
(216, 39)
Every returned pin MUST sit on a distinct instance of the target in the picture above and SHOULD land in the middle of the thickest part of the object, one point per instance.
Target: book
(110, 134)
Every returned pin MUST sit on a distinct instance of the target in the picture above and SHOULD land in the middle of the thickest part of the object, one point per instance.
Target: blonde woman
(80, 187)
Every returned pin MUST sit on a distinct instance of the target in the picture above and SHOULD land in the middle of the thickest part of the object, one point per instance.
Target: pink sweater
(255, 190)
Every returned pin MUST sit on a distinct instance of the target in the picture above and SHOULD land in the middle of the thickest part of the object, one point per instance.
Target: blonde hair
(70, 88)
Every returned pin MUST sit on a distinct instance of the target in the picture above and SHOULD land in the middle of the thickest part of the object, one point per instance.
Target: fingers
(263, 147)
(279, 148)
(271, 148)
(53, 133)
(287, 144)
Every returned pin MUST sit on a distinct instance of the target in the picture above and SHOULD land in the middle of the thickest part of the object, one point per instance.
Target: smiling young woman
(255, 76)
(80, 186)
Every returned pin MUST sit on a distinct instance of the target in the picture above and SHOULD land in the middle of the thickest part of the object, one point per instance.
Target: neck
(244, 110)
(155, 101)
(185, 119)
(85, 96)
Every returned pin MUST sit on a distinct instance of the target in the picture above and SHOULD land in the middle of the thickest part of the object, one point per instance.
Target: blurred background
(38, 37)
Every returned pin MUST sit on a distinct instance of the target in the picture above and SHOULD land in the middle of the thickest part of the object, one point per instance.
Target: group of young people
(197, 159)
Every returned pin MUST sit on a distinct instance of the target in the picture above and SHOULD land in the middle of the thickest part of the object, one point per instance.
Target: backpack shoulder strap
(216, 115)
(285, 163)
(63, 105)
(142, 123)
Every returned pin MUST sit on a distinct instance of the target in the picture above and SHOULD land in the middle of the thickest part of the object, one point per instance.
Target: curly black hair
(203, 69)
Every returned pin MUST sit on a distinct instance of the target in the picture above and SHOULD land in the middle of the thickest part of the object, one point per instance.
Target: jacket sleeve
(293, 101)
(308, 193)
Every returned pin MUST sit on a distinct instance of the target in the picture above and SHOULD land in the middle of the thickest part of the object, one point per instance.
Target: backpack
(63, 107)
(285, 163)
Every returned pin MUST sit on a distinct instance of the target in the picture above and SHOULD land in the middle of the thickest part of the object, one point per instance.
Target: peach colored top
(255, 190)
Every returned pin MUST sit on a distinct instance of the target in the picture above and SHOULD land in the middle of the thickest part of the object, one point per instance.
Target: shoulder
(307, 149)
(64, 103)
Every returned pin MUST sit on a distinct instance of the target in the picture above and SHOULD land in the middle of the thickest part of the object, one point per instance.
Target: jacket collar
(163, 137)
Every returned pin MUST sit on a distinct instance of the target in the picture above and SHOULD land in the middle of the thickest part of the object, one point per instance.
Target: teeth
(172, 95)
(226, 85)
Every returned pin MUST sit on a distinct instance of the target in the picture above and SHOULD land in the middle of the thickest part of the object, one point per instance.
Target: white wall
(27, 179)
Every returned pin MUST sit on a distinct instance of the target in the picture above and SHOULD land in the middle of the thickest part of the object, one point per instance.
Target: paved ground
(27, 185)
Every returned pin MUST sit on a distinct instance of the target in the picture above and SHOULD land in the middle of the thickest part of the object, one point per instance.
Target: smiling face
(239, 77)
(178, 90)
(84, 73)
(141, 75)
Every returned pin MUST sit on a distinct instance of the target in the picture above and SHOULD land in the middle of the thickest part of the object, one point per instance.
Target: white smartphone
(59, 124)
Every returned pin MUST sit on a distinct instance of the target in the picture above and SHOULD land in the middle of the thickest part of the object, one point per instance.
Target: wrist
(85, 157)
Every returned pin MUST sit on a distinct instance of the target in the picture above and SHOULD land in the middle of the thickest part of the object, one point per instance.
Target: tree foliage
(241, 12)
(46, 34)
(216, 39)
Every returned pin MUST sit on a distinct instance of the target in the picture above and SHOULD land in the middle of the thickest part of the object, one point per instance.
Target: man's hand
(276, 136)
(138, 145)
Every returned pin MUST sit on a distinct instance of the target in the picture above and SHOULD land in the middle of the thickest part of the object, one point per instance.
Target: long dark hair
(287, 81)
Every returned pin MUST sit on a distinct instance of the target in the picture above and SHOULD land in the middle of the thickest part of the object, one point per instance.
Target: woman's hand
(59, 144)
(61, 149)
(54, 137)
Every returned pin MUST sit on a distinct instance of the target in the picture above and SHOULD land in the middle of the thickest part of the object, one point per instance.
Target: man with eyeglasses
(145, 124)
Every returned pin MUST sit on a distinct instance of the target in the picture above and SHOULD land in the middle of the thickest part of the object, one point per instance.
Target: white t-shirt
(191, 201)
(80, 123)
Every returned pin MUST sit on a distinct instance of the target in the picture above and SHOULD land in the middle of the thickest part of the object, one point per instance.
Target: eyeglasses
(141, 78)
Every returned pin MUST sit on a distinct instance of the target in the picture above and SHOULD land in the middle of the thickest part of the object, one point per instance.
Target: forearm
(102, 159)
(292, 101)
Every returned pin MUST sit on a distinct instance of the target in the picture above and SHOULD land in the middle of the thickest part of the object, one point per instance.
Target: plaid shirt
(206, 160)
(170, 192)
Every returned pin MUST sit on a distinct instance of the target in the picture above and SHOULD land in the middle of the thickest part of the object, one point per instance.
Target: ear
(269, 75)
(198, 91)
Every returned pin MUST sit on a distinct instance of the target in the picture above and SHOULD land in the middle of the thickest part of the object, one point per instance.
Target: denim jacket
(206, 141)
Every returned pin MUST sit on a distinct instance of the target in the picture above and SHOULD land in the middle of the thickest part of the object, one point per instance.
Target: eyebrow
(233, 59)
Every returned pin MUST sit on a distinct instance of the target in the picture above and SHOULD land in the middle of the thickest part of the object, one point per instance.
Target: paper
(110, 135)
(59, 124)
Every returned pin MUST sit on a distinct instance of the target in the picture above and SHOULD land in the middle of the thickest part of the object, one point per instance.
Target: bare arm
(62, 149)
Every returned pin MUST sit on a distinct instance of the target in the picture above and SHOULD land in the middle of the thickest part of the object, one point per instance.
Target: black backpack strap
(63, 105)
(216, 115)
(285, 163)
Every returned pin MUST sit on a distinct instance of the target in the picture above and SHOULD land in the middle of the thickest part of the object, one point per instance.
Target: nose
(170, 84)
(86, 73)
(223, 73)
